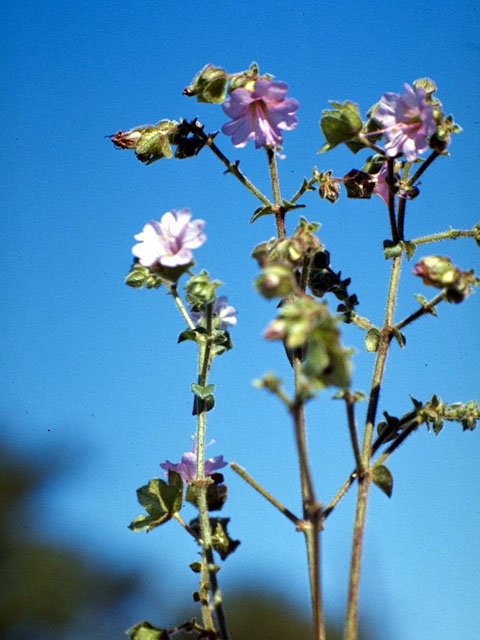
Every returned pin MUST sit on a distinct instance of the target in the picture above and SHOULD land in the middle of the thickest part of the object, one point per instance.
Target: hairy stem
(364, 480)
(180, 306)
(201, 484)
(311, 510)
(268, 496)
(279, 210)
(232, 167)
(451, 234)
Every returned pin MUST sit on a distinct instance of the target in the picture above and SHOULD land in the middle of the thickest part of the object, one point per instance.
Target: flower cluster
(169, 241)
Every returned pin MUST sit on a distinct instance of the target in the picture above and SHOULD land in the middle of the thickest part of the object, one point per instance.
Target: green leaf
(399, 337)
(139, 277)
(372, 339)
(202, 392)
(261, 211)
(221, 342)
(410, 248)
(196, 567)
(341, 125)
(382, 477)
(190, 334)
(476, 228)
(160, 500)
(146, 631)
(289, 206)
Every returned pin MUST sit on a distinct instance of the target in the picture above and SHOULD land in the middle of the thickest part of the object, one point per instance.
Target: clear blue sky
(91, 370)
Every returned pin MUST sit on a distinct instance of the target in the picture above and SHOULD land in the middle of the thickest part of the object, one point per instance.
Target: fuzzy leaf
(372, 339)
(343, 124)
(382, 477)
(261, 211)
(160, 500)
(202, 392)
(146, 631)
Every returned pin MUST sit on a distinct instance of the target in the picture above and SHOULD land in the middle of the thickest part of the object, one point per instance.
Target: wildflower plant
(402, 135)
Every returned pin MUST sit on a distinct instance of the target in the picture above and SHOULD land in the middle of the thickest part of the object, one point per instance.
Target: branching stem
(364, 480)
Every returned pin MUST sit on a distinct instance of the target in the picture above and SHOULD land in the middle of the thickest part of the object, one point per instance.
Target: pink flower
(260, 114)
(226, 314)
(407, 122)
(381, 185)
(187, 467)
(169, 241)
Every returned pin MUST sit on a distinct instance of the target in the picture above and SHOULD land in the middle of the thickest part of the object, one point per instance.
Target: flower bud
(200, 290)
(438, 271)
(276, 281)
(151, 142)
(209, 85)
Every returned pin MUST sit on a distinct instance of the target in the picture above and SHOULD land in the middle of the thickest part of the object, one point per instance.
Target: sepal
(222, 543)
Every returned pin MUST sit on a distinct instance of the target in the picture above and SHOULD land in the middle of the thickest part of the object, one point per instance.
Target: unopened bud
(275, 281)
(438, 271)
(209, 85)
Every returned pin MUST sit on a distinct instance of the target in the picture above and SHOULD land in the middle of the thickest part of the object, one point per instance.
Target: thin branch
(268, 496)
(232, 166)
(451, 234)
(424, 309)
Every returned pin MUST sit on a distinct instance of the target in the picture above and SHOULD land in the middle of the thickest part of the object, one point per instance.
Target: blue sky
(92, 372)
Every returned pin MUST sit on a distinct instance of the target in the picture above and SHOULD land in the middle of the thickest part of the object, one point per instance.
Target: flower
(187, 467)
(381, 188)
(169, 241)
(260, 114)
(225, 313)
(408, 121)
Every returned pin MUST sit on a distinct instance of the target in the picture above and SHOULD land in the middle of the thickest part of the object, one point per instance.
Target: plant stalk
(364, 480)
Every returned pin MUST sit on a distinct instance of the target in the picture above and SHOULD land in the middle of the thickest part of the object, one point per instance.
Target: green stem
(306, 186)
(180, 306)
(311, 510)
(364, 480)
(451, 234)
(232, 167)
(278, 209)
(426, 308)
(352, 428)
(202, 483)
(268, 496)
(340, 493)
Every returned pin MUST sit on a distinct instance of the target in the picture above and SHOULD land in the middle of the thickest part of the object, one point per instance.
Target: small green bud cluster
(308, 325)
(211, 84)
(440, 272)
(200, 290)
(281, 258)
